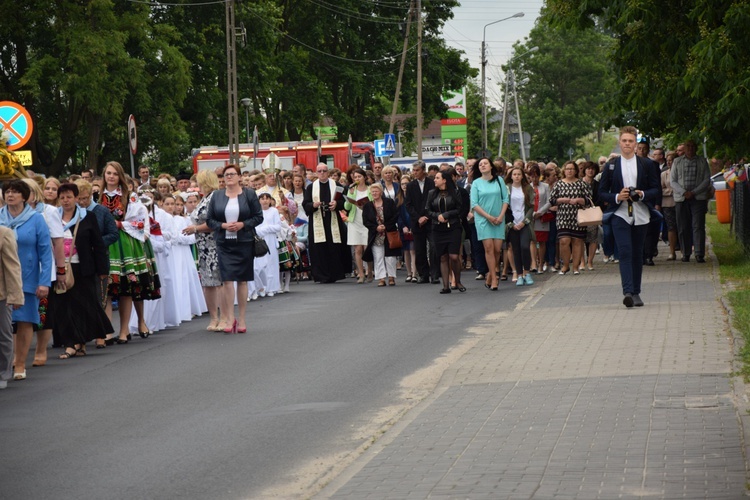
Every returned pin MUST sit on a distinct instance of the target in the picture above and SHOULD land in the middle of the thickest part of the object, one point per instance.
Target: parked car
(718, 181)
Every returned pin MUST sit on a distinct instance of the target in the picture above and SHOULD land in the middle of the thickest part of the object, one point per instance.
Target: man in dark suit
(654, 226)
(626, 185)
(416, 198)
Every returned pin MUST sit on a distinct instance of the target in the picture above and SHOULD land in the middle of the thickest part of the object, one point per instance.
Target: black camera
(634, 194)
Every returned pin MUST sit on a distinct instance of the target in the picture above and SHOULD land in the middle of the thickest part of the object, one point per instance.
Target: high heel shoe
(241, 330)
(231, 329)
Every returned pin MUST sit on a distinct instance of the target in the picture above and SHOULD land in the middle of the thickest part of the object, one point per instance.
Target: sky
(464, 32)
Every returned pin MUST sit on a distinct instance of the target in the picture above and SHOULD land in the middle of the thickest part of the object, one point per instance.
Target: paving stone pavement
(575, 396)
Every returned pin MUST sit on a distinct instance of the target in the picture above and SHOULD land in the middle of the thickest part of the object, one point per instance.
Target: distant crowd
(164, 249)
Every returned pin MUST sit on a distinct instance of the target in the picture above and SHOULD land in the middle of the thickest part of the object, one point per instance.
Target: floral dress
(132, 268)
(208, 260)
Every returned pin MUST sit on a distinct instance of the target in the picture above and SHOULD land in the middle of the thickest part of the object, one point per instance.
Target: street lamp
(247, 102)
(511, 84)
(484, 89)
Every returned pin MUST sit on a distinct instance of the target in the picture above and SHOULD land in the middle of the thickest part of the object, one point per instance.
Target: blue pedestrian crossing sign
(390, 144)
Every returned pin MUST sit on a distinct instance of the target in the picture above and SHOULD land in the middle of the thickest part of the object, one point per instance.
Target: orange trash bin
(723, 212)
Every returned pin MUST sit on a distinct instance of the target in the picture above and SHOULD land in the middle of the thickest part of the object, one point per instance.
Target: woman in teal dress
(133, 277)
(489, 201)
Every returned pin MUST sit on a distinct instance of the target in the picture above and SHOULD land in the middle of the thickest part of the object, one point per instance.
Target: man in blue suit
(627, 184)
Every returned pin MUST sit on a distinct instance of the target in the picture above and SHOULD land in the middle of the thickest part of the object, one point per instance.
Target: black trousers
(420, 253)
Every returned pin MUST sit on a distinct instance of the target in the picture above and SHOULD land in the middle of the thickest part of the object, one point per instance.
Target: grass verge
(734, 271)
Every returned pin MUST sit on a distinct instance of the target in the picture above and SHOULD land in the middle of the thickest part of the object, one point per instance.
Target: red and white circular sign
(132, 135)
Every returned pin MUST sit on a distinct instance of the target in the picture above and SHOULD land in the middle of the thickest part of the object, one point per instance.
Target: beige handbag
(591, 216)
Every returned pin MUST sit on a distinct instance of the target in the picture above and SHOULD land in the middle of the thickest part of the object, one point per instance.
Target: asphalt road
(194, 414)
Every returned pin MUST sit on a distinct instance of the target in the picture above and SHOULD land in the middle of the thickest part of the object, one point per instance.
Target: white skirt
(356, 234)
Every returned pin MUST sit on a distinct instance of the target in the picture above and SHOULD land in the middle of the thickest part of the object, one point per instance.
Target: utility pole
(484, 84)
(232, 112)
(401, 69)
(419, 79)
(484, 103)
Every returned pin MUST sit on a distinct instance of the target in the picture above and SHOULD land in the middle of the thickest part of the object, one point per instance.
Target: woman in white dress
(188, 281)
(357, 233)
(267, 267)
(163, 312)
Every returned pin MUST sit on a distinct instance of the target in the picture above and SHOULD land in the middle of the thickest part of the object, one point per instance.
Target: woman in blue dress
(35, 254)
(489, 201)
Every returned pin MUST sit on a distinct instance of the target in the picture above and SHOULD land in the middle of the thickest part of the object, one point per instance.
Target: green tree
(562, 87)
(82, 67)
(683, 67)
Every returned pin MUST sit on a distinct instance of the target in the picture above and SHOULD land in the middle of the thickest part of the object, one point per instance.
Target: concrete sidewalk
(574, 396)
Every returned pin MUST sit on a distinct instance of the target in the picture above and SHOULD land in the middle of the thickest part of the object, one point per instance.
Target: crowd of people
(163, 250)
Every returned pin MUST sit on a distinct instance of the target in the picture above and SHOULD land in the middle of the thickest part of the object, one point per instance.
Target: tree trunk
(94, 128)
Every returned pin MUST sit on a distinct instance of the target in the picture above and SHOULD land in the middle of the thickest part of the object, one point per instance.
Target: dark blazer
(655, 167)
(93, 254)
(251, 215)
(370, 220)
(415, 203)
(465, 207)
(451, 210)
(107, 225)
(611, 183)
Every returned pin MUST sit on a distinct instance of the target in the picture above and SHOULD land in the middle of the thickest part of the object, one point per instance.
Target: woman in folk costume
(267, 267)
(133, 276)
(188, 281)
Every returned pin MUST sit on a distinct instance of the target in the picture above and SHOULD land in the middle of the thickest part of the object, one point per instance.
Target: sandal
(81, 352)
(504, 277)
(68, 355)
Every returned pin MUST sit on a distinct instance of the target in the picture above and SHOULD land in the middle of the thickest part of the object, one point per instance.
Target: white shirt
(517, 204)
(641, 214)
(232, 214)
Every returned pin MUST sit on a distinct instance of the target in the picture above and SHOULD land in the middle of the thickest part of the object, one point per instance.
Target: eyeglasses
(230, 175)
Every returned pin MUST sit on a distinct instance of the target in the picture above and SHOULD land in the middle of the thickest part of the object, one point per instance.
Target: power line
(361, 16)
(334, 56)
(155, 3)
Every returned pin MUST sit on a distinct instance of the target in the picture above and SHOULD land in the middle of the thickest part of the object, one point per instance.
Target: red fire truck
(334, 154)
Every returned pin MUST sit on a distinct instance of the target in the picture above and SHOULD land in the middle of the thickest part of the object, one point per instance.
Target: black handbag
(261, 248)
(508, 211)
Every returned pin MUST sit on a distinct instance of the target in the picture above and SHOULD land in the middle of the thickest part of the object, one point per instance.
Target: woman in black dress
(233, 214)
(76, 315)
(444, 208)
